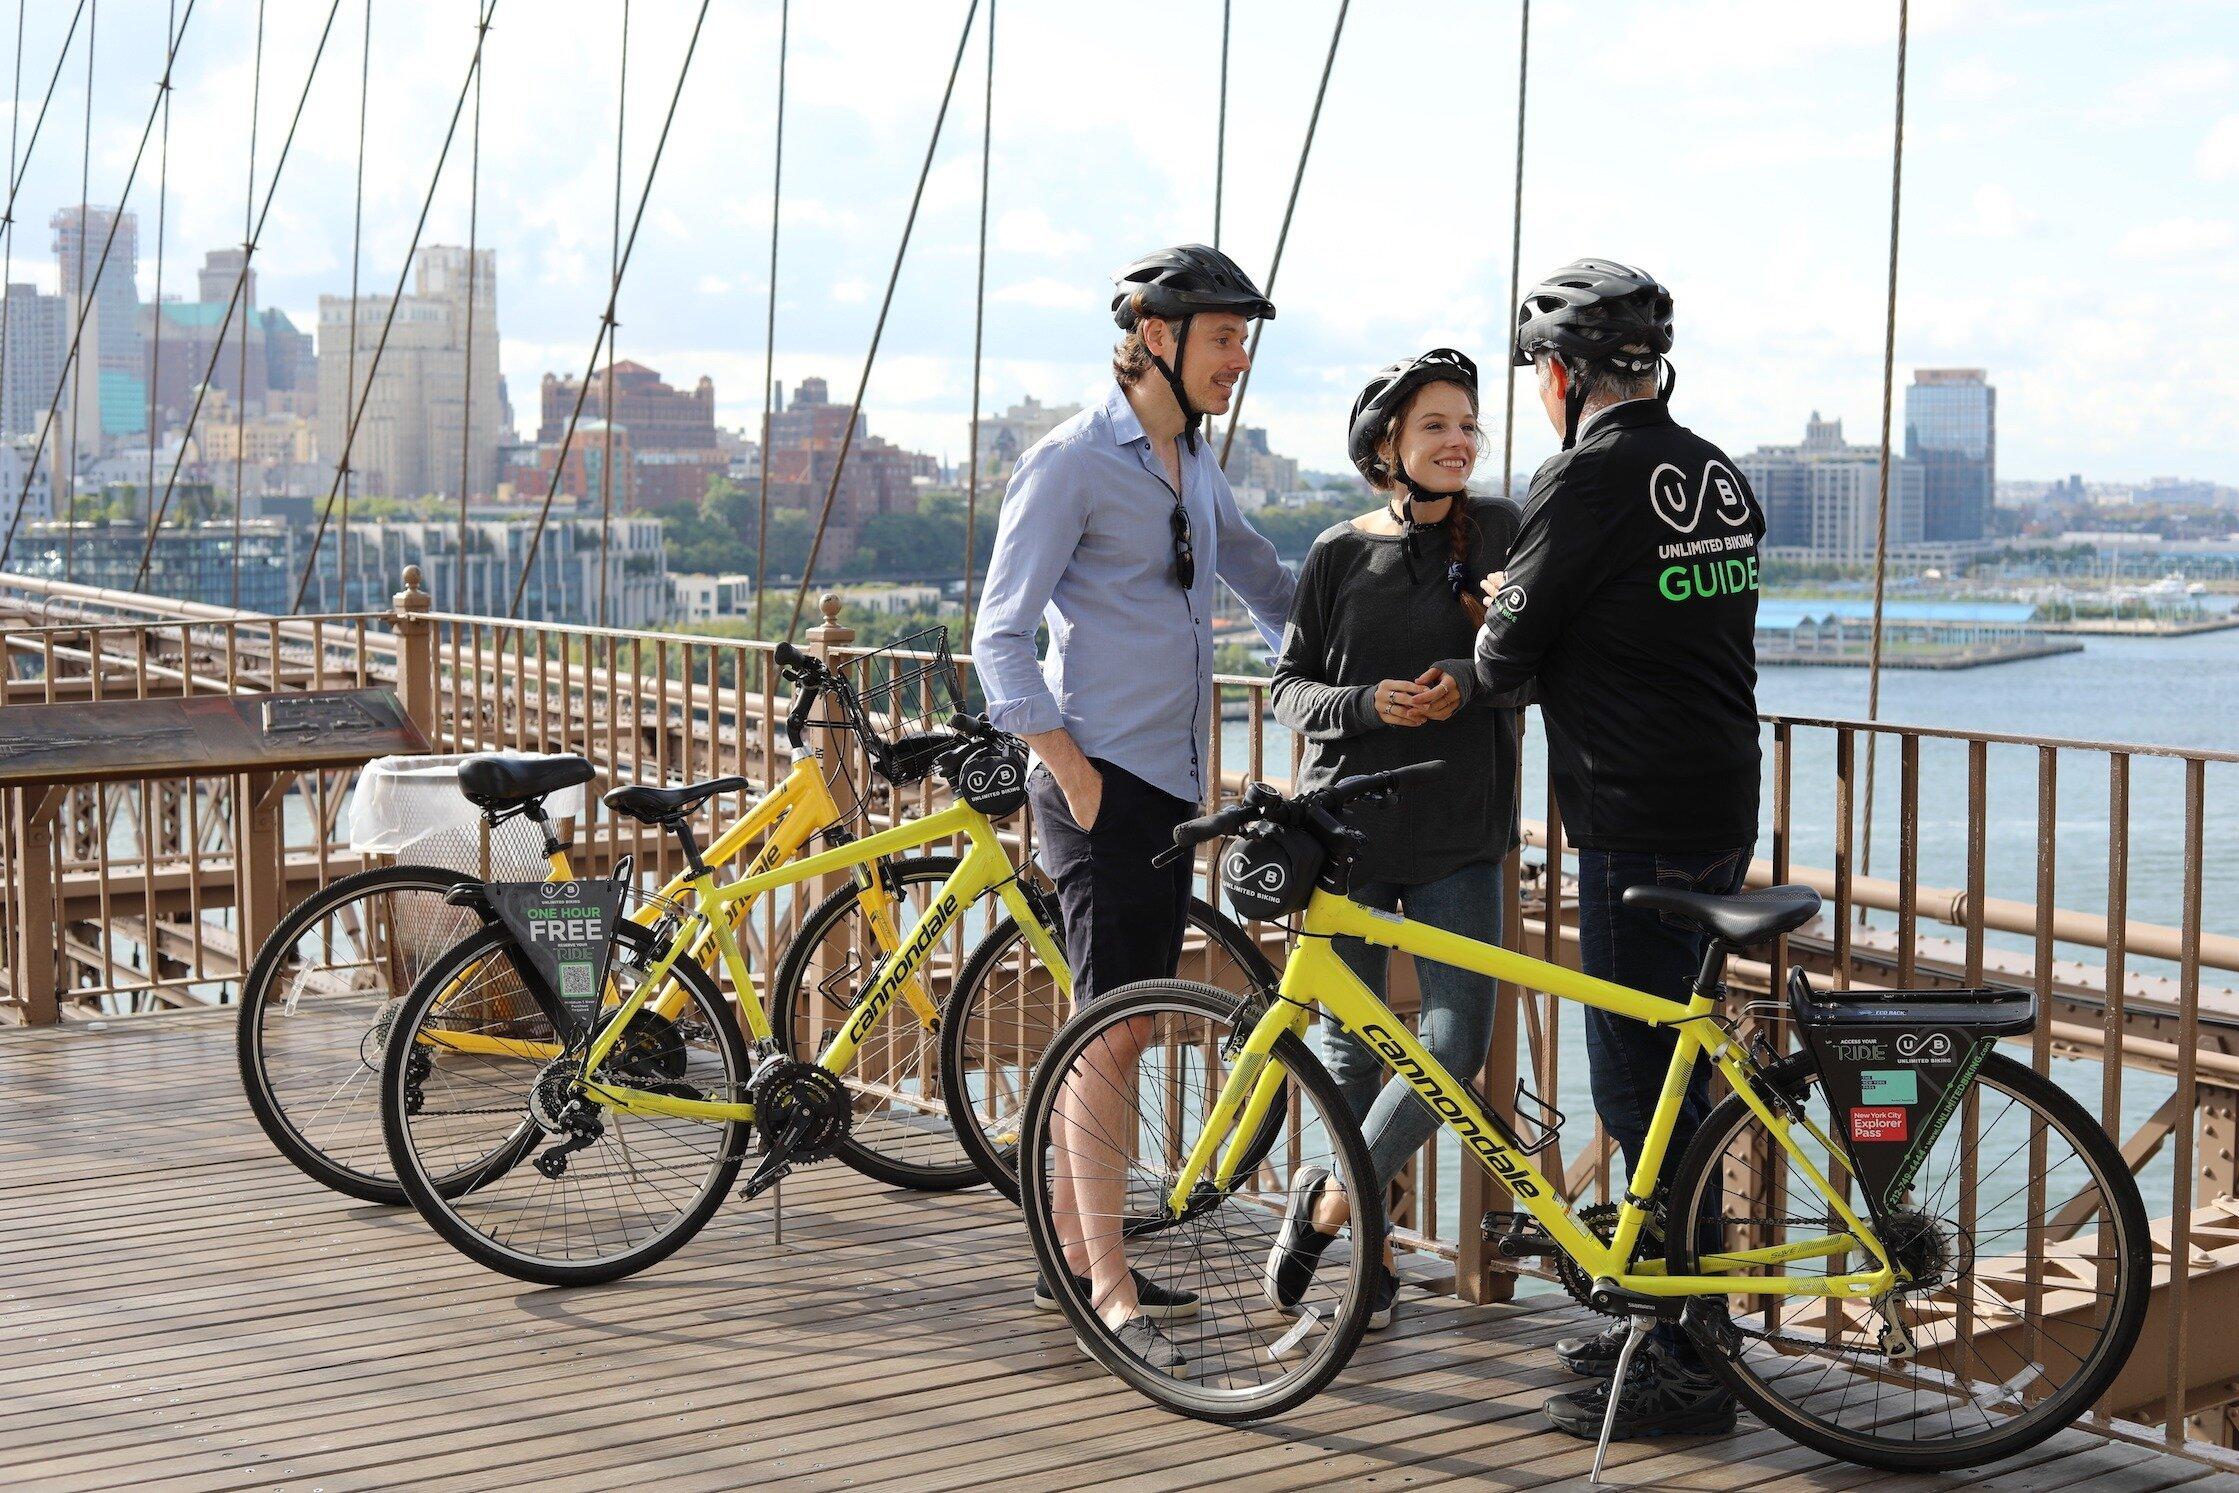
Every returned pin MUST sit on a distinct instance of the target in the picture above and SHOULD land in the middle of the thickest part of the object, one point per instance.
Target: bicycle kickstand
(1633, 1335)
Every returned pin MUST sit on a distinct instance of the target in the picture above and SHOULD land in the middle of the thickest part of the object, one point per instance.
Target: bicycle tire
(995, 1156)
(1328, 1357)
(905, 1152)
(312, 1141)
(2077, 1391)
(440, 1200)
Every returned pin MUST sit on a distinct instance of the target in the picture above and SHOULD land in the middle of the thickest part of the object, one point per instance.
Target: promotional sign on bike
(566, 929)
(1895, 1066)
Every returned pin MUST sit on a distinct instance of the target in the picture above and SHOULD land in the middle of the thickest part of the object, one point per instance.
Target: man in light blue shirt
(1112, 531)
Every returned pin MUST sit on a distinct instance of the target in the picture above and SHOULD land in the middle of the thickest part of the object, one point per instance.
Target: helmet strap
(1403, 512)
(1574, 401)
(1191, 416)
(1667, 379)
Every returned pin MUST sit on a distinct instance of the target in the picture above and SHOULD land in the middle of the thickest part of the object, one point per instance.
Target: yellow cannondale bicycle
(1848, 1237)
(566, 1139)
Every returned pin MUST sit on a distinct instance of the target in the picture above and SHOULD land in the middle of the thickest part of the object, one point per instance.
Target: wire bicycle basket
(896, 702)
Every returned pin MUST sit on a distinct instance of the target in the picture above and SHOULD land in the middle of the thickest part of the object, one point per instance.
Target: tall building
(111, 361)
(1951, 430)
(1005, 438)
(23, 483)
(672, 446)
(1822, 498)
(182, 336)
(409, 439)
(38, 331)
(1256, 472)
(805, 439)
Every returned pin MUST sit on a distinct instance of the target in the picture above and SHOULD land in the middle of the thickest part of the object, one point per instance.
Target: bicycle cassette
(800, 1109)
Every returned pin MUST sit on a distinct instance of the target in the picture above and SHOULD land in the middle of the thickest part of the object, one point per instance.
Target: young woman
(1375, 673)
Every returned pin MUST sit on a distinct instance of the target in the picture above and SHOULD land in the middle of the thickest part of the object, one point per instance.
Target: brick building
(666, 445)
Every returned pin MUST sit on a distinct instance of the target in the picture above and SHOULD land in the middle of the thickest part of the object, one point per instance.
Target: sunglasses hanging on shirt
(1185, 556)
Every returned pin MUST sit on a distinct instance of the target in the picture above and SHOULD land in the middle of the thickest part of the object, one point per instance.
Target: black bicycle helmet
(1175, 285)
(1596, 311)
(1373, 411)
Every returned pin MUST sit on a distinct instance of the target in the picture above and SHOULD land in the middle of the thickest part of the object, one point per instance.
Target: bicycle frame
(795, 811)
(984, 868)
(1315, 975)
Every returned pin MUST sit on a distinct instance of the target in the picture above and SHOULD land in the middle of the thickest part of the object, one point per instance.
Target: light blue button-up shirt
(1086, 541)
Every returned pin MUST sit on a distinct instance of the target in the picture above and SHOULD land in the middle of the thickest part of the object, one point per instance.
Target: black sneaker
(1141, 1337)
(1663, 1397)
(1298, 1244)
(1383, 1299)
(1592, 1357)
(1153, 1300)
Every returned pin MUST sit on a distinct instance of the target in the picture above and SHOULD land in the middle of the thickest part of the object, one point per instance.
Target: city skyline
(2069, 313)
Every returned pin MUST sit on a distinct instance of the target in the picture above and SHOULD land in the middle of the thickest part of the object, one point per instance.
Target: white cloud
(2174, 239)
(1028, 230)
(851, 292)
(1999, 214)
(1049, 293)
(2218, 156)
(2177, 84)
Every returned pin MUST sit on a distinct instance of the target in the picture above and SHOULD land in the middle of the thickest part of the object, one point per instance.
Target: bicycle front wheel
(1006, 1004)
(2026, 1243)
(500, 1147)
(314, 1014)
(1125, 1091)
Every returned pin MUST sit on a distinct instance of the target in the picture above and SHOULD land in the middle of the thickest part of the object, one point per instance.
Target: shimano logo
(1487, 1147)
(874, 1005)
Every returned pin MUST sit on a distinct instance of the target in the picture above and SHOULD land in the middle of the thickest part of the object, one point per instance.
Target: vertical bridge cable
(901, 251)
(248, 255)
(473, 280)
(8, 224)
(357, 244)
(70, 358)
(614, 288)
(769, 331)
(162, 204)
(1888, 400)
(979, 324)
(1515, 258)
(1282, 237)
(396, 297)
(233, 300)
(629, 246)
(1220, 130)
(85, 298)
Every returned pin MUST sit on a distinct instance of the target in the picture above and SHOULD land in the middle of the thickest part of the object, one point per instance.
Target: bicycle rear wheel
(496, 1144)
(314, 1013)
(2007, 1354)
(1006, 1005)
(1123, 1093)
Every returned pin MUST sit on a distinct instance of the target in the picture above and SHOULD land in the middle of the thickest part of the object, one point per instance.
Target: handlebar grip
(791, 657)
(1348, 789)
(1214, 825)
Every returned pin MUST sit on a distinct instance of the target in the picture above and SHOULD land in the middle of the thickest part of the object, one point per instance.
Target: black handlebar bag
(1270, 870)
(1894, 1066)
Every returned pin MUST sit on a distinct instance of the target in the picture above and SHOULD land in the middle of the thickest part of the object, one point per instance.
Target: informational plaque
(108, 740)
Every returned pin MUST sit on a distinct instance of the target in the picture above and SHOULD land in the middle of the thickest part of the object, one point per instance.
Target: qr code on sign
(577, 981)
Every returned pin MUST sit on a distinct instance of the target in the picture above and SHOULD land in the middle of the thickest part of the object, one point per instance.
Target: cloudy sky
(2071, 205)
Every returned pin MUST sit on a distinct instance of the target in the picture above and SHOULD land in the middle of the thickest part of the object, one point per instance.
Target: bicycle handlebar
(1308, 810)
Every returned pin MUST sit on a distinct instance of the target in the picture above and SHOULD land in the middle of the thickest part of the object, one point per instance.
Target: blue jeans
(1457, 1013)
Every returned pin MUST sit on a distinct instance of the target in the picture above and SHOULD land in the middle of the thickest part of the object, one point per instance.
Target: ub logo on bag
(1270, 870)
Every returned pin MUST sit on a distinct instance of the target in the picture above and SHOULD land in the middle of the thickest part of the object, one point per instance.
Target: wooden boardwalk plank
(188, 1311)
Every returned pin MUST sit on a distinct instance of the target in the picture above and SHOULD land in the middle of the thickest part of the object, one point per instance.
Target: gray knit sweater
(1368, 611)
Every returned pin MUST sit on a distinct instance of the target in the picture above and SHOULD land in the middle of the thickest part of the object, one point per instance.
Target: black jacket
(1631, 598)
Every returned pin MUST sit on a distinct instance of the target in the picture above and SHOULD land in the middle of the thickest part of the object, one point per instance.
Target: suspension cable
(8, 225)
(1515, 258)
(233, 300)
(1298, 179)
(162, 203)
(85, 298)
(473, 280)
(1888, 400)
(23, 166)
(886, 304)
(1220, 131)
(614, 287)
(769, 330)
(85, 302)
(396, 297)
(606, 322)
(357, 243)
(248, 312)
(979, 323)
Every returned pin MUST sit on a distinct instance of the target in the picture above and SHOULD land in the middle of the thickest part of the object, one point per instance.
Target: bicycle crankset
(1601, 1221)
(801, 1112)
